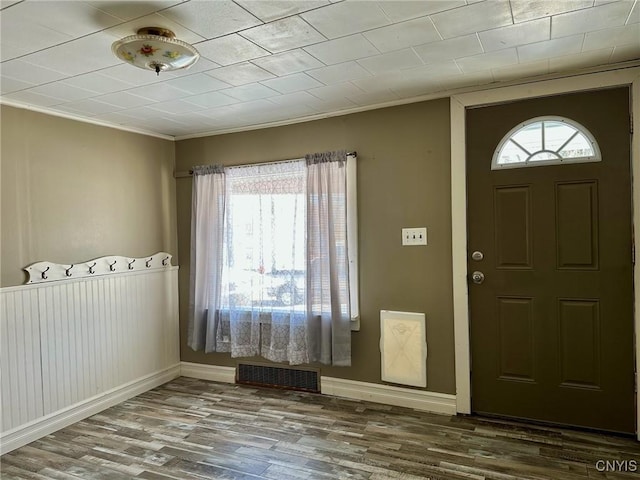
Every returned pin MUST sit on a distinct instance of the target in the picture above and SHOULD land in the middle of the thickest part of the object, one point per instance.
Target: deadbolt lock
(477, 256)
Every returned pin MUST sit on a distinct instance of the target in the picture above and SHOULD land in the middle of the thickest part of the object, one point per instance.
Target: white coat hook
(67, 272)
(92, 268)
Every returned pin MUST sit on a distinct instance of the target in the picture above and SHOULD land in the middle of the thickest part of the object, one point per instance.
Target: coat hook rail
(43, 272)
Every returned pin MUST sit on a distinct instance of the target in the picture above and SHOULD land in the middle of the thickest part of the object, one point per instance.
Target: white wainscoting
(71, 348)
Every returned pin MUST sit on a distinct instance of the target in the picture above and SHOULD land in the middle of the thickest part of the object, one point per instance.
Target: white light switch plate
(414, 236)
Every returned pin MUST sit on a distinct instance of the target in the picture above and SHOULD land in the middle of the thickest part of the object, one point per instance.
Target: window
(264, 255)
(274, 260)
(545, 141)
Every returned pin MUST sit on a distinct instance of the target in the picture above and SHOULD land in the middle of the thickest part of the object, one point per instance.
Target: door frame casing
(458, 104)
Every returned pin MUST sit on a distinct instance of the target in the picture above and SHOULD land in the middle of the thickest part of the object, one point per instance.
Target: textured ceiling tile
(158, 92)
(379, 82)
(10, 51)
(230, 49)
(343, 49)
(596, 18)
(252, 91)
(130, 10)
(374, 98)
(97, 83)
(403, 35)
(449, 49)
(435, 70)
(289, 62)
(473, 18)
(175, 106)
(198, 83)
(71, 59)
(342, 72)
(275, 9)
(580, 60)
(524, 10)
(292, 83)
(291, 99)
(27, 72)
(333, 92)
(211, 99)
(89, 107)
(35, 99)
(341, 19)
(226, 17)
(8, 85)
(610, 37)
(400, 10)
(551, 48)
(514, 72)
(332, 106)
(240, 74)
(71, 18)
(285, 34)
(399, 60)
(19, 36)
(124, 100)
(515, 35)
(63, 91)
(486, 61)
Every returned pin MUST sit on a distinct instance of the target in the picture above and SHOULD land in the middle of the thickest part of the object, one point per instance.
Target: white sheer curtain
(207, 217)
(328, 304)
(263, 296)
(269, 261)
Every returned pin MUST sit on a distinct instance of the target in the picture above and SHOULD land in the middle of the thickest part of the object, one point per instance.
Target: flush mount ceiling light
(157, 49)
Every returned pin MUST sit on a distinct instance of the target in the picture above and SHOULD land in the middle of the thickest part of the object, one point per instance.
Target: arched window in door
(546, 141)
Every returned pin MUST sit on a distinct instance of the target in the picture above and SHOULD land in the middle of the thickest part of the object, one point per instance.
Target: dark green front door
(552, 324)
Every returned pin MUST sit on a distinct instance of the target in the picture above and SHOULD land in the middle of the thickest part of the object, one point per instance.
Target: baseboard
(52, 422)
(214, 373)
(389, 395)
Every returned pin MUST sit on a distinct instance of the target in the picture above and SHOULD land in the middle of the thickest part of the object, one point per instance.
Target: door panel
(577, 225)
(552, 323)
(513, 227)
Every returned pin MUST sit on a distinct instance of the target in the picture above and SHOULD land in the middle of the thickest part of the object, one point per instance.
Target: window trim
(596, 157)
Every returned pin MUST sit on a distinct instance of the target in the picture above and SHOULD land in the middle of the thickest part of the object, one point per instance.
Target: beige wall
(73, 191)
(403, 181)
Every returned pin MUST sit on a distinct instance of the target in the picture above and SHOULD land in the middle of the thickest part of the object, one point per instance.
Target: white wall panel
(68, 341)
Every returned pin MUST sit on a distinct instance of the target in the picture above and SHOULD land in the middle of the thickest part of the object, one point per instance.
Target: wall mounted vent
(279, 377)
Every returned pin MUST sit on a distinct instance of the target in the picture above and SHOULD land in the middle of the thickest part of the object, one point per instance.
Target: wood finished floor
(193, 429)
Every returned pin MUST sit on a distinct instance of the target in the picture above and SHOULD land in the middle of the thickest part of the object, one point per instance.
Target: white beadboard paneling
(69, 341)
(21, 391)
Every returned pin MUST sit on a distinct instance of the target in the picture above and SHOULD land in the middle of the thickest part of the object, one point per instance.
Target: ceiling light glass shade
(155, 49)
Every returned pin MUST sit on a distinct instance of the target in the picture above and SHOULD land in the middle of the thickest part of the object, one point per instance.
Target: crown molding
(78, 118)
